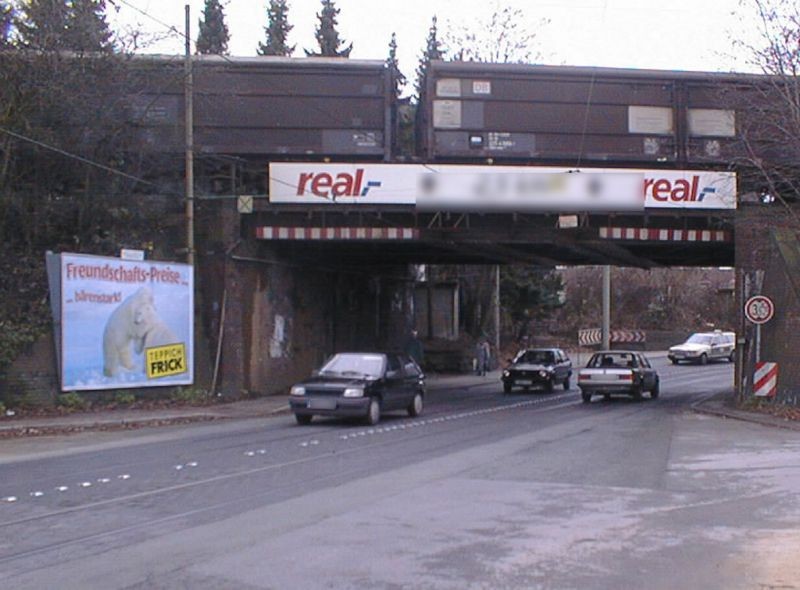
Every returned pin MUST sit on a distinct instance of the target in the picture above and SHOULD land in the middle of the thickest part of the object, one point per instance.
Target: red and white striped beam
(646, 234)
(765, 379)
(336, 233)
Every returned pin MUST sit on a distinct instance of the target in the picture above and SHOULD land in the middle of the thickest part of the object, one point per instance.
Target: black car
(538, 367)
(360, 385)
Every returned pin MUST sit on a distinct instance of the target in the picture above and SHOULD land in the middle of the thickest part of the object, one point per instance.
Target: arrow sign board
(759, 309)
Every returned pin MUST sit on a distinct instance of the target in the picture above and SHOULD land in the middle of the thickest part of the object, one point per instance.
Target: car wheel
(637, 393)
(373, 412)
(674, 361)
(566, 384)
(607, 396)
(506, 387)
(704, 359)
(548, 386)
(303, 419)
(415, 408)
(732, 357)
(654, 393)
(586, 397)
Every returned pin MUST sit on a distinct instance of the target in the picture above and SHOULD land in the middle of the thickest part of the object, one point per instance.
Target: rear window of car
(612, 360)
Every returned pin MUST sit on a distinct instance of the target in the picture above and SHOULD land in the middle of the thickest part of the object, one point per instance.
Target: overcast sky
(659, 34)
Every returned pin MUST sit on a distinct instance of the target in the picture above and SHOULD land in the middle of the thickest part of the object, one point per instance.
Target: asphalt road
(483, 491)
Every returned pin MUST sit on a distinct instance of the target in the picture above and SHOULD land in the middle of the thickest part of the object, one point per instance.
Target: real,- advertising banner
(447, 187)
(125, 323)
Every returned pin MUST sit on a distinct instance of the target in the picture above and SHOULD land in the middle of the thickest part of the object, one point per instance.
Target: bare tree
(769, 124)
(503, 38)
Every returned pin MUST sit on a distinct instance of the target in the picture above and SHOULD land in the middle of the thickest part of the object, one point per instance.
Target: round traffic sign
(759, 309)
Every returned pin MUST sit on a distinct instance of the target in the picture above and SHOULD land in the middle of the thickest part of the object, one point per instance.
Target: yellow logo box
(163, 361)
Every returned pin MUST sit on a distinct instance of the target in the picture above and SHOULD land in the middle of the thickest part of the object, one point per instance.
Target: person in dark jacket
(414, 349)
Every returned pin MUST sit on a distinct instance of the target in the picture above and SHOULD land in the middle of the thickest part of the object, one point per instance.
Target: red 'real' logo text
(330, 186)
(678, 191)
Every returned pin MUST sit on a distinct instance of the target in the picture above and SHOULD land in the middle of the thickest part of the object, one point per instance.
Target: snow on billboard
(125, 323)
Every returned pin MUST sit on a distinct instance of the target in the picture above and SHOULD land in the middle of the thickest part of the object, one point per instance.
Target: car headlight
(354, 392)
(544, 373)
(506, 373)
(298, 390)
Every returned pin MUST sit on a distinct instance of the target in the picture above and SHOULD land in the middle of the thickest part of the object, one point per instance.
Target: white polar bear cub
(122, 329)
(151, 328)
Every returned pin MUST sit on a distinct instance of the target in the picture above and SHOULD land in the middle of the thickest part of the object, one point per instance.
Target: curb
(711, 406)
(31, 430)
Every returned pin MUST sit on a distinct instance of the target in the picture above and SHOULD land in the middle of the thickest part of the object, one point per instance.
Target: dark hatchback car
(360, 385)
(538, 367)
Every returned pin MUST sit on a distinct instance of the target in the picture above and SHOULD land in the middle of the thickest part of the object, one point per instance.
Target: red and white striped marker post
(765, 379)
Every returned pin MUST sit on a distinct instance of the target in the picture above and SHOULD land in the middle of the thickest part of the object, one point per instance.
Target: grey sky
(659, 34)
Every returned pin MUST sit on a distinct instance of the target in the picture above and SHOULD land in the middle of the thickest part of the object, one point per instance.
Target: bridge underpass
(365, 237)
(310, 280)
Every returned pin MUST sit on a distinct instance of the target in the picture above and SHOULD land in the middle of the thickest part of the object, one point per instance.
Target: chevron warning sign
(765, 379)
(593, 337)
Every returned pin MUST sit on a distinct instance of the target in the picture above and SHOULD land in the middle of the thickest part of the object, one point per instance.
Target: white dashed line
(124, 476)
(103, 480)
(191, 464)
(36, 494)
(10, 499)
(62, 488)
(86, 484)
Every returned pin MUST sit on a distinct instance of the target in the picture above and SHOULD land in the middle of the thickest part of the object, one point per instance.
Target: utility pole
(188, 91)
(606, 331)
(497, 310)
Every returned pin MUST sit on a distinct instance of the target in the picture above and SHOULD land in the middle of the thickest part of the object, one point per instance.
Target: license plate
(322, 404)
(524, 382)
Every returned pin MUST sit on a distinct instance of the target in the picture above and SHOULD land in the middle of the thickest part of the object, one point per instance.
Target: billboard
(124, 323)
(492, 188)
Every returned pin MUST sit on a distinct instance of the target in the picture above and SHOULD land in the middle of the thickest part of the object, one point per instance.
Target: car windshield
(614, 360)
(700, 339)
(536, 357)
(366, 365)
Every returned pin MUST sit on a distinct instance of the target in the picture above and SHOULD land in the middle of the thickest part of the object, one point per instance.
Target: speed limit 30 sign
(759, 309)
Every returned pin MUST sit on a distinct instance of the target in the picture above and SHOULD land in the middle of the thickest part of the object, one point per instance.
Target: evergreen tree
(394, 67)
(277, 30)
(87, 28)
(42, 24)
(330, 45)
(433, 50)
(6, 22)
(213, 36)
(61, 25)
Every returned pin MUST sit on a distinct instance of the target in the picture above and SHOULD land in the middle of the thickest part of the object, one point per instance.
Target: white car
(705, 346)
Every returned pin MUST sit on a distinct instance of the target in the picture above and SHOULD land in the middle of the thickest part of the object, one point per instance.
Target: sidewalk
(721, 406)
(133, 419)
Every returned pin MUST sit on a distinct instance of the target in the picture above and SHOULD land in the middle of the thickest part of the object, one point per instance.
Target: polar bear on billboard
(151, 329)
(134, 322)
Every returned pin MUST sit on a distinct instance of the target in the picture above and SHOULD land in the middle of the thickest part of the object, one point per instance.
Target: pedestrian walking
(482, 352)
